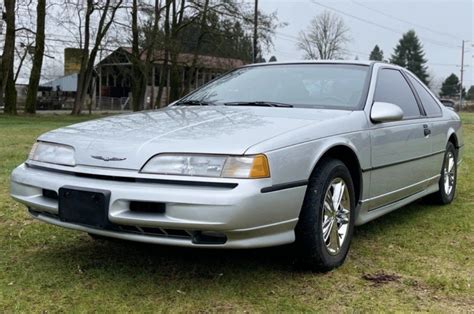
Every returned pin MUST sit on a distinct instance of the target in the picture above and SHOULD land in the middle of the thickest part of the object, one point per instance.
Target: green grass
(46, 268)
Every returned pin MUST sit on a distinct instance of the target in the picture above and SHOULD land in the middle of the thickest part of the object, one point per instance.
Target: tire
(314, 252)
(444, 195)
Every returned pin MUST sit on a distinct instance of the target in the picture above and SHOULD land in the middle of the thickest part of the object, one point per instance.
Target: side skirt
(365, 215)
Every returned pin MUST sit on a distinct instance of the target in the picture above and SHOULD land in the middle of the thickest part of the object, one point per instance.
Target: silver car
(268, 154)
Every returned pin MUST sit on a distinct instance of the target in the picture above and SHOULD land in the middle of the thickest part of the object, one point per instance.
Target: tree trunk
(149, 65)
(164, 66)
(175, 77)
(8, 57)
(35, 75)
(139, 73)
(10, 93)
(163, 79)
(80, 90)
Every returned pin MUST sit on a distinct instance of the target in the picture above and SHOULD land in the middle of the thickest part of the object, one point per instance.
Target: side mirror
(385, 112)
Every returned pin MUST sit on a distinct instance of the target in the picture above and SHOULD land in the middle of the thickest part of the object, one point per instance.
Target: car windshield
(339, 86)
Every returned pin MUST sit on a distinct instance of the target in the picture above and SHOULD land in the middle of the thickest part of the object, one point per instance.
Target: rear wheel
(447, 181)
(326, 221)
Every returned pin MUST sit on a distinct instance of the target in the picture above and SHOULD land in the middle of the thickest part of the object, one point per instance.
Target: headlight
(209, 166)
(53, 153)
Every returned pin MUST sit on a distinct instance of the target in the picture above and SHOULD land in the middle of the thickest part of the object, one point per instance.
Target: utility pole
(255, 31)
(462, 76)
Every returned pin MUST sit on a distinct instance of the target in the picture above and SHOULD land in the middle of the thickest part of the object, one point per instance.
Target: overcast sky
(441, 25)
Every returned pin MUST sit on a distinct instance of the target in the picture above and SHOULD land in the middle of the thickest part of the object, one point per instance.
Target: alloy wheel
(336, 215)
(449, 173)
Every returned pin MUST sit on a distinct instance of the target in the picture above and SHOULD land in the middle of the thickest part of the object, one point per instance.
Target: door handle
(426, 130)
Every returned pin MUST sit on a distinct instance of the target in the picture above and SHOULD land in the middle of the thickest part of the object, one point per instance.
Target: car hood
(128, 141)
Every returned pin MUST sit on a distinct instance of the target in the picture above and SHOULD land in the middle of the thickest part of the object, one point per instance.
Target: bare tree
(21, 53)
(8, 58)
(138, 68)
(143, 52)
(108, 9)
(325, 38)
(180, 14)
(164, 65)
(202, 32)
(35, 74)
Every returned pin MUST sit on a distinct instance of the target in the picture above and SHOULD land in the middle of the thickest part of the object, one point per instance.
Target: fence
(112, 103)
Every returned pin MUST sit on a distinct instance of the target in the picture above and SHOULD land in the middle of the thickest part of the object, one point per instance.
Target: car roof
(356, 62)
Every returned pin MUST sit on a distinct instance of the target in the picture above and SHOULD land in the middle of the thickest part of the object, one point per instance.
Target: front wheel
(326, 221)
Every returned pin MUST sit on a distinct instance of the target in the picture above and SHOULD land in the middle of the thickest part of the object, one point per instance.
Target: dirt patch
(380, 278)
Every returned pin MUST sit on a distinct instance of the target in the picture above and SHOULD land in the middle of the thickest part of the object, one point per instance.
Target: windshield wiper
(194, 103)
(259, 104)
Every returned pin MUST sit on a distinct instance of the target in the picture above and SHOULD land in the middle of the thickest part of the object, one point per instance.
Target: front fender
(296, 162)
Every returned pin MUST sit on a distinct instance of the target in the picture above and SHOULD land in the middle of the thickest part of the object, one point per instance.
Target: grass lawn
(429, 249)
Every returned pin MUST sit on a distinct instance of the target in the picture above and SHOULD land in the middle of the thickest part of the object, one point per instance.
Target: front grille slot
(154, 231)
(147, 207)
(104, 177)
(177, 233)
(197, 237)
(50, 194)
(129, 229)
(209, 237)
(171, 233)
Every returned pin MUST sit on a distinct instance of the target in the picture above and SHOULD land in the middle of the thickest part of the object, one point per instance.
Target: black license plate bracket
(84, 206)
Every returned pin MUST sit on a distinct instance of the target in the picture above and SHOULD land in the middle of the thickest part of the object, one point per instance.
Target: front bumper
(247, 217)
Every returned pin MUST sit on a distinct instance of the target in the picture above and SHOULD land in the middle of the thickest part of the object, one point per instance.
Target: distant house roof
(66, 83)
(122, 55)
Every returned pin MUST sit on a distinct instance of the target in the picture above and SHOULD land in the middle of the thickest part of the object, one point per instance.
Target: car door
(399, 148)
(437, 125)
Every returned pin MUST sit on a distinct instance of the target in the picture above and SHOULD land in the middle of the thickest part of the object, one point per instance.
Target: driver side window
(393, 88)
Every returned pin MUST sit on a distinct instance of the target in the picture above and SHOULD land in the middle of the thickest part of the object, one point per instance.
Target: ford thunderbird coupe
(265, 155)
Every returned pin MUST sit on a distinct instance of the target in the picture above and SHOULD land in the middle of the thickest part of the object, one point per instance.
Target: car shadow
(89, 255)
(400, 216)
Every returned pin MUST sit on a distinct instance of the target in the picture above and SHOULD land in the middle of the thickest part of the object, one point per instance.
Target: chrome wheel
(449, 173)
(336, 215)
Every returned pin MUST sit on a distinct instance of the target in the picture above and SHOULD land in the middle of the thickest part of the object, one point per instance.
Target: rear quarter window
(429, 103)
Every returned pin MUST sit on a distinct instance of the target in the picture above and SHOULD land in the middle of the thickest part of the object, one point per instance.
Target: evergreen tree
(376, 54)
(272, 59)
(222, 38)
(409, 54)
(470, 93)
(451, 87)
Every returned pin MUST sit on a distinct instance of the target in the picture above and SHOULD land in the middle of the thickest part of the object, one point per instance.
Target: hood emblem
(108, 158)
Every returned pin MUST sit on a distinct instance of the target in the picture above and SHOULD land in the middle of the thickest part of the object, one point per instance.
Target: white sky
(441, 25)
